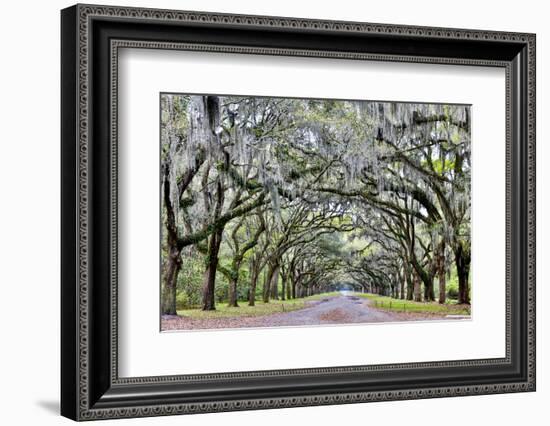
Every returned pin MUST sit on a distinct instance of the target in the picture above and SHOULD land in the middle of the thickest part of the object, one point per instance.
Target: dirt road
(341, 309)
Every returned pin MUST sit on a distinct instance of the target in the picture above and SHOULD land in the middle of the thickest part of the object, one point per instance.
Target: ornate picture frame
(91, 37)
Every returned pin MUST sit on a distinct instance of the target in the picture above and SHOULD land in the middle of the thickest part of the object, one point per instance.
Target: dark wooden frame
(90, 386)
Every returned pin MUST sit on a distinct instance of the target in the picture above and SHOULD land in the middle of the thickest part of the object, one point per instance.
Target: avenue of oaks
(276, 198)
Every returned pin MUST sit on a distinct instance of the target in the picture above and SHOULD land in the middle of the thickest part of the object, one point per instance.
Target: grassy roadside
(398, 305)
(261, 308)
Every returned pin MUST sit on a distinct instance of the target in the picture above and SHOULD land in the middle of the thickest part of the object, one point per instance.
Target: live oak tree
(240, 248)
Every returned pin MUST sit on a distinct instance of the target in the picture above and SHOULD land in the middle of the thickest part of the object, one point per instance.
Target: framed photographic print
(263, 212)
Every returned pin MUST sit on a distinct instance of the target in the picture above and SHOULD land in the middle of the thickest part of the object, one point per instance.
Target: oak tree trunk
(232, 293)
(462, 260)
(402, 285)
(172, 268)
(409, 280)
(417, 288)
(283, 286)
(272, 274)
(267, 282)
(441, 274)
(288, 287)
(429, 295)
(275, 283)
(233, 282)
(253, 283)
(208, 289)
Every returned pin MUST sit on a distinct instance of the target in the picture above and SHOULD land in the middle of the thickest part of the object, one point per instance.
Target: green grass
(389, 303)
(261, 308)
(277, 306)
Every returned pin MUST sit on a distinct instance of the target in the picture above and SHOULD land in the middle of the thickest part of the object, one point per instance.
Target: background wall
(29, 212)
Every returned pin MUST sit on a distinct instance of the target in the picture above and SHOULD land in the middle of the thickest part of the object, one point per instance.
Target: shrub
(452, 292)
(190, 280)
(182, 301)
(452, 285)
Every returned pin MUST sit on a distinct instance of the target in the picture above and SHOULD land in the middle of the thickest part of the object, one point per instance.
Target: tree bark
(409, 280)
(255, 272)
(283, 286)
(274, 287)
(288, 280)
(172, 268)
(173, 261)
(402, 284)
(234, 280)
(211, 123)
(417, 288)
(267, 283)
(238, 258)
(426, 278)
(208, 290)
(462, 260)
(232, 292)
(429, 295)
(441, 274)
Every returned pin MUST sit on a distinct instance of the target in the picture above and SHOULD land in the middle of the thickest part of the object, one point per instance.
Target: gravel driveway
(342, 309)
